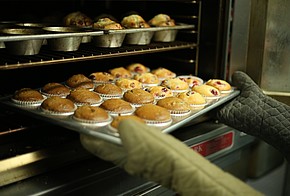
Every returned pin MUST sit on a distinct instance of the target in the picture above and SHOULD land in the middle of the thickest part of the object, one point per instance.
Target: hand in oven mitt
(148, 153)
(257, 114)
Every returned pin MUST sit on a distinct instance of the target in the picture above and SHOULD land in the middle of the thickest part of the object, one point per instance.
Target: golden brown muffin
(128, 83)
(92, 114)
(78, 19)
(58, 105)
(120, 72)
(159, 92)
(27, 96)
(221, 85)
(163, 73)
(207, 90)
(191, 80)
(147, 79)
(109, 91)
(192, 98)
(162, 20)
(101, 77)
(117, 107)
(55, 89)
(82, 96)
(153, 114)
(138, 97)
(137, 68)
(134, 21)
(107, 23)
(116, 121)
(175, 84)
(175, 105)
(79, 81)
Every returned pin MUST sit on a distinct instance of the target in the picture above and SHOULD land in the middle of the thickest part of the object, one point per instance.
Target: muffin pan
(103, 132)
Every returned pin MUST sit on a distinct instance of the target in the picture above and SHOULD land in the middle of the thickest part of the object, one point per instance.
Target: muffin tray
(104, 132)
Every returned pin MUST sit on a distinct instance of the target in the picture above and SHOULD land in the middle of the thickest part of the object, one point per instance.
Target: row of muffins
(98, 98)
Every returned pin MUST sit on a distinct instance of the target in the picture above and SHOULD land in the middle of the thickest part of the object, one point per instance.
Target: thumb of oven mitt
(257, 114)
(148, 153)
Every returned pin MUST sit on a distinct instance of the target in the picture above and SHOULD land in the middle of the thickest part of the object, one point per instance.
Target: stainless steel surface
(109, 40)
(140, 38)
(25, 47)
(165, 36)
(104, 132)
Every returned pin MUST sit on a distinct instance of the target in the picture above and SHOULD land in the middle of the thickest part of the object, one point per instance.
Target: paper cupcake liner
(28, 103)
(177, 113)
(121, 113)
(106, 96)
(227, 92)
(58, 113)
(158, 123)
(92, 104)
(144, 85)
(51, 95)
(94, 122)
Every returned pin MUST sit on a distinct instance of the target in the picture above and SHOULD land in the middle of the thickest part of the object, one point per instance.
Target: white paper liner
(113, 130)
(93, 122)
(226, 92)
(121, 113)
(106, 96)
(158, 123)
(177, 113)
(92, 104)
(144, 85)
(28, 103)
(58, 113)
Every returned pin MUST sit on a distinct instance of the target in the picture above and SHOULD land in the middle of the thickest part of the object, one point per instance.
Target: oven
(41, 158)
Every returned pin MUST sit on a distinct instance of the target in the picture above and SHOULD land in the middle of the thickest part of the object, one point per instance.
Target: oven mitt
(150, 154)
(257, 114)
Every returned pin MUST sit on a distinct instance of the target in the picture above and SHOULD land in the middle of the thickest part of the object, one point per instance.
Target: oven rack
(85, 52)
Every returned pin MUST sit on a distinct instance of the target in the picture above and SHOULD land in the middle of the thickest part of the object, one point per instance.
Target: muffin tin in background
(103, 132)
(28, 40)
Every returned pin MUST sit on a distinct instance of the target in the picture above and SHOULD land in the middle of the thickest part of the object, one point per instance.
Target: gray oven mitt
(150, 154)
(257, 114)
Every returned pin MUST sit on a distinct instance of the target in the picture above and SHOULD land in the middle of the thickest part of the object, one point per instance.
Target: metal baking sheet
(103, 132)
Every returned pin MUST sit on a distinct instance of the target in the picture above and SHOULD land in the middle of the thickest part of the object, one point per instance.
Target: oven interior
(38, 157)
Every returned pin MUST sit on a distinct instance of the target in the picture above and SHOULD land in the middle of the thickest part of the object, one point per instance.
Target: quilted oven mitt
(258, 114)
(150, 154)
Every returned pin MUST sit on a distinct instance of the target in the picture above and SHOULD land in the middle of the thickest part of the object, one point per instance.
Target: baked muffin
(92, 115)
(163, 73)
(82, 96)
(58, 106)
(175, 84)
(176, 106)
(162, 20)
(138, 97)
(191, 80)
(221, 85)
(128, 83)
(79, 81)
(137, 68)
(55, 89)
(193, 98)
(109, 90)
(113, 128)
(209, 92)
(159, 92)
(120, 72)
(134, 21)
(101, 77)
(27, 96)
(106, 23)
(154, 115)
(147, 79)
(78, 19)
(117, 107)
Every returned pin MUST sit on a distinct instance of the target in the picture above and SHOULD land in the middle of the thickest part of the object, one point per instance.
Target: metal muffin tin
(104, 132)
